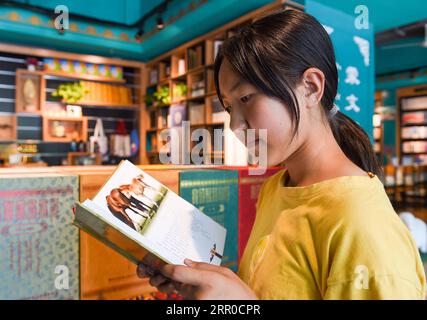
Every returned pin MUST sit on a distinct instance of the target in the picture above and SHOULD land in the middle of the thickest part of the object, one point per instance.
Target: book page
(158, 218)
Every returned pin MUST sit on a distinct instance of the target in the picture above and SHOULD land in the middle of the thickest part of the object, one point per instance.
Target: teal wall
(350, 55)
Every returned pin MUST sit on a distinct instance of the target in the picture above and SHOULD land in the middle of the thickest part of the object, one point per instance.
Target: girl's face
(251, 109)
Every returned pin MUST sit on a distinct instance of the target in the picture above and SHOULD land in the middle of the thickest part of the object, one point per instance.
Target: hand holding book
(201, 281)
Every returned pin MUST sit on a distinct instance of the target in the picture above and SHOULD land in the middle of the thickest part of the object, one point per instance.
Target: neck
(317, 159)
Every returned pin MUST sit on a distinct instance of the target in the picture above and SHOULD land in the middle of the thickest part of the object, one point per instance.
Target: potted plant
(180, 91)
(72, 92)
(162, 96)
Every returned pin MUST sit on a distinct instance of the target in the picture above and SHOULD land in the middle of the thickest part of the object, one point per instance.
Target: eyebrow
(235, 86)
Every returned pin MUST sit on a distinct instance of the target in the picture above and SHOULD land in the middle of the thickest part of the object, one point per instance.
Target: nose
(237, 121)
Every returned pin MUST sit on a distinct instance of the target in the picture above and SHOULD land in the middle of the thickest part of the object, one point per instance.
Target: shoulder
(269, 185)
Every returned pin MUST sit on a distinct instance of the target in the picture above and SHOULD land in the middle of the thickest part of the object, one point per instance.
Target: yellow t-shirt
(336, 239)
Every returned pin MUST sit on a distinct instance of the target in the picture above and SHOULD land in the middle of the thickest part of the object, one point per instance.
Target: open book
(146, 222)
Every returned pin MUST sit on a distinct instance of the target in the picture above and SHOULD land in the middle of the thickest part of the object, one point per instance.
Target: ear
(313, 82)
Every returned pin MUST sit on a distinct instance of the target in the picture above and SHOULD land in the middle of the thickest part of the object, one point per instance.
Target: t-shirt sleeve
(367, 262)
(387, 287)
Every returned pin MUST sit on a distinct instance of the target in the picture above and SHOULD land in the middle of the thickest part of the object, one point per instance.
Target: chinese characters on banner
(354, 50)
(37, 238)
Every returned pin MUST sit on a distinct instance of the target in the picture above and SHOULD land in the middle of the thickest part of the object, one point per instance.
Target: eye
(246, 98)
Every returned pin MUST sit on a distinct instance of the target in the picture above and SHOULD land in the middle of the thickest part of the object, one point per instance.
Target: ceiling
(120, 11)
(384, 14)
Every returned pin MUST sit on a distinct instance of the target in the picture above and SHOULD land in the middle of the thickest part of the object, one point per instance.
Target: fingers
(144, 271)
(158, 280)
(184, 274)
(167, 287)
(141, 271)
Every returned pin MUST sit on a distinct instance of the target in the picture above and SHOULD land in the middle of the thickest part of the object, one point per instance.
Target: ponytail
(355, 143)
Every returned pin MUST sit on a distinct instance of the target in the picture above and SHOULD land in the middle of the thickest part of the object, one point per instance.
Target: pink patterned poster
(39, 246)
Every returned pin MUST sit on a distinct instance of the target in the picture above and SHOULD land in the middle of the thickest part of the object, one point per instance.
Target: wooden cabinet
(64, 129)
(412, 124)
(29, 93)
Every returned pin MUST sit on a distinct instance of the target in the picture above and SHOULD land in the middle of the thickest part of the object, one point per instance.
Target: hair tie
(334, 110)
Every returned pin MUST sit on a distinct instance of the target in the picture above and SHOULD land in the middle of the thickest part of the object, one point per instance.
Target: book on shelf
(177, 114)
(181, 66)
(214, 192)
(196, 113)
(414, 117)
(414, 132)
(195, 57)
(154, 76)
(414, 103)
(198, 88)
(415, 146)
(146, 222)
(163, 118)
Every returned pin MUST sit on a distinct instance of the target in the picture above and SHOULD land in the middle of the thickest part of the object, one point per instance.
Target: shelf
(415, 110)
(414, 153)
(424, 124)
(71, 126)
(178, 77)
(414, 139)
(54, 118)
(80, 76)
(110, 105)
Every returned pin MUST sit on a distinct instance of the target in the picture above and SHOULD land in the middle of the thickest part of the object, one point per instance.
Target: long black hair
(273, 52)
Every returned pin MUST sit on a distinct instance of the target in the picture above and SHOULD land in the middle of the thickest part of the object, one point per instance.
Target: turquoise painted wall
(393, 60)
(354, 50)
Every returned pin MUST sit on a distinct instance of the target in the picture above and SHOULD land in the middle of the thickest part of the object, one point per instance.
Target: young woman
(325, 228)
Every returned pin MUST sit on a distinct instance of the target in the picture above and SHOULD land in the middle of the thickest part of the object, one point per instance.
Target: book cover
(178, 113)
(249, 186)
(39, 246)
(214, 192)
(145, 221)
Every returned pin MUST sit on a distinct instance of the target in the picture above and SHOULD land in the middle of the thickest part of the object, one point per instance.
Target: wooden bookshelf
(72, 127)
(192, 63)
(412, 123)
(33, 100)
